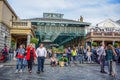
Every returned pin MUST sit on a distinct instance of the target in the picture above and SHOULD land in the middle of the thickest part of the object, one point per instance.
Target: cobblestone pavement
(73, 72)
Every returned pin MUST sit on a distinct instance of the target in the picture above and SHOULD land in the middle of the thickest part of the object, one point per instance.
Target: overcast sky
(93, 11)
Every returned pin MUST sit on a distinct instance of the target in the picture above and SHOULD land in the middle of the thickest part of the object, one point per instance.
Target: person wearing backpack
(117, 50)
(111, 60)
(119, 55)
(19, 57)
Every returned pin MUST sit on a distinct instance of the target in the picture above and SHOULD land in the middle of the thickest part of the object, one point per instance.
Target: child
(54, 61)
(65, 59)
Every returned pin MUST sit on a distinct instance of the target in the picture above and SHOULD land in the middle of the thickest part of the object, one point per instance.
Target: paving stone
(74, 72)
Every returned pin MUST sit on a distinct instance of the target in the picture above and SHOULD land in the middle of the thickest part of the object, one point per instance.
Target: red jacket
(28, 53)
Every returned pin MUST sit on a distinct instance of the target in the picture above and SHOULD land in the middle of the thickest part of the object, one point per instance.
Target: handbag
(16, 54)
(115, 58)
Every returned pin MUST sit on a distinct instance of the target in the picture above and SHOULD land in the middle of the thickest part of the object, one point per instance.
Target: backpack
(117, 51)
(98, 51)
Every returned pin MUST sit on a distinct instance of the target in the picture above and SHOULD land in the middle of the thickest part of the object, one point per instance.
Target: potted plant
(61, 62)
(94, 44)
(54, 50)
(34, 41)
(116, 45)
(61, 49)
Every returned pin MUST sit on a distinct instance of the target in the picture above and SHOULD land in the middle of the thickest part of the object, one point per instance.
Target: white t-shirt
(41, 52)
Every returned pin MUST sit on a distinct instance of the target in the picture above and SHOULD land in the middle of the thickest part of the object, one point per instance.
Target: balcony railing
(21, 24)
(97, 34)
(103, 34)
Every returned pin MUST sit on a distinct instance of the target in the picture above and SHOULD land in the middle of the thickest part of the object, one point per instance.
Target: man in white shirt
(41, 54)
(101, 52)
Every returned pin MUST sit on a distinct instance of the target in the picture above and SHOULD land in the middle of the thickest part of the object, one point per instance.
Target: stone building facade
(6, 15)
(13, 31)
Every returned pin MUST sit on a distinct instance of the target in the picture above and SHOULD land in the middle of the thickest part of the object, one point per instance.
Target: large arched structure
(53, 28)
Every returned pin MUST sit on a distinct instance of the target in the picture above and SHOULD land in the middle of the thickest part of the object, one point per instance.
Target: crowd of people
(103, 55)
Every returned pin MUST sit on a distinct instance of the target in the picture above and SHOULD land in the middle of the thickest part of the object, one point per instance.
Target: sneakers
(20, 71)
(38, 72)
(42, 70)
(16, 71)
(103, 72)
(30, 71)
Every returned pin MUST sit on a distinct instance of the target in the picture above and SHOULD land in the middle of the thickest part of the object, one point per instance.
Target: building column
(86, 44)
(10, 40)
(16, 43)
(28, 39)
(113, 42)
(75, 41)
(103, 41)
(91, 43)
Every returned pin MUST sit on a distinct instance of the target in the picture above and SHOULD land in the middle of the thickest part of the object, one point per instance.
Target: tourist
(11, 52)
(20, 56)
(111, 61)
(41, 54)
(81, 54)
(101, 52)
(89, 53)
(30, 57)
(14, 54)
(85, 54)
(5, 53)
(94, 55)
(119, 55)
(49, 53)
(54, 61)
(65, 59)
(69, 55)
(117, 50)
(74, 54)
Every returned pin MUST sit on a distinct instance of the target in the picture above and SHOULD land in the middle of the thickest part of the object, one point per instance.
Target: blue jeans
(89, 59)
(74, 58)
(19, 63)
(93, 57)
(69, 58)
(81, 58)
(41, 61)
(102, 63)
(10, 56)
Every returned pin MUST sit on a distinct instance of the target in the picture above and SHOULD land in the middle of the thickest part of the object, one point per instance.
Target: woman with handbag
(30, 57)
(111, 57)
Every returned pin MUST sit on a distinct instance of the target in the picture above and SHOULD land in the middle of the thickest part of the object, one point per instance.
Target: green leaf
(34, 40)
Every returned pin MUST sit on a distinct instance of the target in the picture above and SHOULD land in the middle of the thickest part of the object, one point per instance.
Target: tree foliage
(94, 44)
(34, 40)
